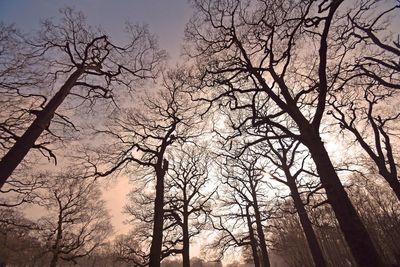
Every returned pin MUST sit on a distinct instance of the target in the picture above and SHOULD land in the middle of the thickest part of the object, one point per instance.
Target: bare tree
(377, 206)
(244, 206)
(17, 72)
(88, 65)
(255, 55)
(140, 209)
(18, 244)
(22, 189)
(290, 166)
(143, 136)
(77, 222)
(187, 201)
(127, 248)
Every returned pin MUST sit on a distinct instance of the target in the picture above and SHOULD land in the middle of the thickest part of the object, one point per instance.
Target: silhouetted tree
(18, 243)
(376, 48)
(88, 65)
(21, 189)
(244, 208)
(128, 248)
(290, 166)
(143, 136)
(77, 222)
(187, 200)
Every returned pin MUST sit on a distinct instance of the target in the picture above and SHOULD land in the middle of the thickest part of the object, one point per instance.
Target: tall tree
(87, 64)
(77, 222)
(286, 156)
(377, 49)
(361, 113)
(243, 203)
(143, 136)
(187, 200)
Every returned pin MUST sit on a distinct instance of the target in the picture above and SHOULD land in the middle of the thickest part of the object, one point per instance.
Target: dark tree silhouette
(77, 222)
(186, 204)
(143, 136)
(18, 244)
(377, 49)
(88, 65)
(22, 189)
(286, 155)
(243, 206)
(127, 248)
(187, 201)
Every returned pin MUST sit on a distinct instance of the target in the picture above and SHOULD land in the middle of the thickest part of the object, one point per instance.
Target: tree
(77, 222)
(255, 56)
(88, 65)
(22, 189)
(378, 208)
(244, 207)
(285, 155)
(127, 248)
(19, 87)
(18, 244)
(143, 136)
(185, 208)
(187, 202)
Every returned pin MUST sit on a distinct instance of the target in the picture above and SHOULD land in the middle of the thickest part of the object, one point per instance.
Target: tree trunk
(350, 223)
(56, 246)
(156, 242)
(260, 230)
(261, 237)
(22, 146)
(312, 240)
(253, 241)
(392, 181)
(186, 246)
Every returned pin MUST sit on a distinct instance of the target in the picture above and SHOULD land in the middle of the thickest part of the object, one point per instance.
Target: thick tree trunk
(186, 246)
(156, 242)
(350, 223)
(253, 241)
(312, 240)
(392, 180)
(395, 185)
(22, 146)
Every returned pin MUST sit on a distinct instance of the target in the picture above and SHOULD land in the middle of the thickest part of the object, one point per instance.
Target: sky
(165, 18)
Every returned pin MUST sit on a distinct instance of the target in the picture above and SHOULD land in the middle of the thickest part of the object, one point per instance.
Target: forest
(274, 142)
